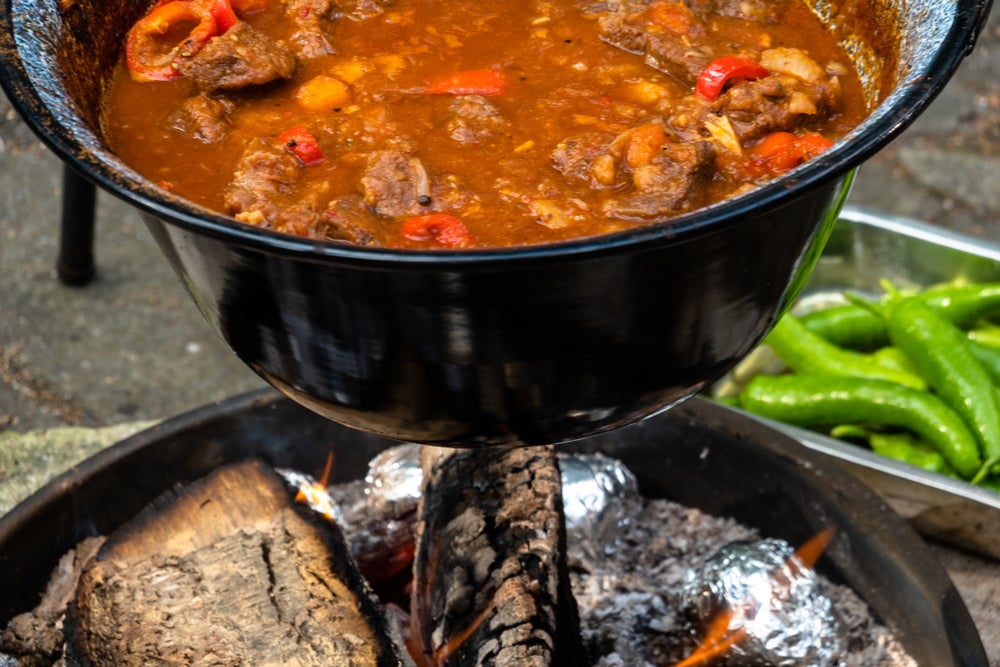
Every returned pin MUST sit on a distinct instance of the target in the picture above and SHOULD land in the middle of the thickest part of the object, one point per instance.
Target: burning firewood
(491, 586)
(226, 571)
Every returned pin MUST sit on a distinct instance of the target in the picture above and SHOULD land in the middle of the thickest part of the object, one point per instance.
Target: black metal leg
(76, 244)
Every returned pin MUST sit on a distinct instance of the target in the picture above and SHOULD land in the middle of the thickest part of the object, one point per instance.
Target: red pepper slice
(223, 11)
(804, 148)
(779, 152)
(152, 45)
(224, 15)
(721, 70)
(446, 230)
(302, 144)
(470, 82)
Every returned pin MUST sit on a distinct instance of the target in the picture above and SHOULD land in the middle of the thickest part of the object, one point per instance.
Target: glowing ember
(314, 493)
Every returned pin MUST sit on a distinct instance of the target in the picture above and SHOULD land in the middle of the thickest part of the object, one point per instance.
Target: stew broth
(426, 124)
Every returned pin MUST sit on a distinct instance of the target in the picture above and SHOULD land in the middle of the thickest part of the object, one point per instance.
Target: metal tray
(864, 248)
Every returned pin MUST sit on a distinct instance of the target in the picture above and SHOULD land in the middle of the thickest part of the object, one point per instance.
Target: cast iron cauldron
(537, 344)
(699, 454)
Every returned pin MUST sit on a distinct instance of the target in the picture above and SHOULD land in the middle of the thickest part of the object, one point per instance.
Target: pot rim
(79, 147)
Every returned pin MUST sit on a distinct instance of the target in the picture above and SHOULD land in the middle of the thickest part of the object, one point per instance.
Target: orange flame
(315, 494)
(720, 637)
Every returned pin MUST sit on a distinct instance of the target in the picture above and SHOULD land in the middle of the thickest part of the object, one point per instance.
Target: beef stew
(423, 124)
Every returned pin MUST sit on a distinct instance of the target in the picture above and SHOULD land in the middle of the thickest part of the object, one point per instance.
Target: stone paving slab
(29, 460)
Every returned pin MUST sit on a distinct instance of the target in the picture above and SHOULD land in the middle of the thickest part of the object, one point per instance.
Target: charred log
(491, 586)
(35, 638)
(226, 571)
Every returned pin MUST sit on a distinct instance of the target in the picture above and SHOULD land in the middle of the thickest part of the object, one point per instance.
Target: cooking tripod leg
(75, 265)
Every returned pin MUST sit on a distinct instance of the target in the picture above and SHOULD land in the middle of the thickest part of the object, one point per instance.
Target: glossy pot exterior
(533, 350)
(523, 345)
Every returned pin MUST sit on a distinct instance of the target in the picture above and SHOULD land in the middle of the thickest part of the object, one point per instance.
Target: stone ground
(131, 348)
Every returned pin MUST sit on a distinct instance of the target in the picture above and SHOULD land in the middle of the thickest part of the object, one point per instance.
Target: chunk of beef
(575, 156)
(312, 18)
(265, 172)
(396, 184)
(757, 108)
(372, 127)
(667, 33)
(760, 11)
(261, 194)
(473, 119)
(203, 117)
(674, 181)
(242, 57)
(348, 219)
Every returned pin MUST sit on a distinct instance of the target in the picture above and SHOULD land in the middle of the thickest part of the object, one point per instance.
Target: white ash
(628, 577)
(629, 607)
(628, 599)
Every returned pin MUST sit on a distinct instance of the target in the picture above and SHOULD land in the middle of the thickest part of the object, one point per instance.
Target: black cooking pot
(536, 344)
(700, 455)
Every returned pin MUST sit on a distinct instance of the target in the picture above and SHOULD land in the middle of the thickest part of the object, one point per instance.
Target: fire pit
(717, 461)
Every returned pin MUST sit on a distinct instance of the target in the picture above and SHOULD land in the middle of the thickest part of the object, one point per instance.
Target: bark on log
(490, 576)
(227, 571)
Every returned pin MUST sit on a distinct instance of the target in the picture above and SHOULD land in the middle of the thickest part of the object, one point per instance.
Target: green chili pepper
(907, 449)
(899, 446)
(988, 334)
(851, 432)
(848, 326)
(991, 483)
(963, 305)
(817, 400)
(858, 328)
(728, 401)
(940, 352)
(988, 357)
(808, 353)
(892, 357)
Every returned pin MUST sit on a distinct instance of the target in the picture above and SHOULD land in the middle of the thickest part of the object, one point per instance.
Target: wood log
(35, 638)
(491, 586)
(227, 571)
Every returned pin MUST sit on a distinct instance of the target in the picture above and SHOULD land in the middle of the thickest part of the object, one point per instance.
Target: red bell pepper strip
(149, 49)
(783, 151)
(223, 11)
(303, 145)
(446, 230)
(722, 70)
(224, 15)
(470, 82)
